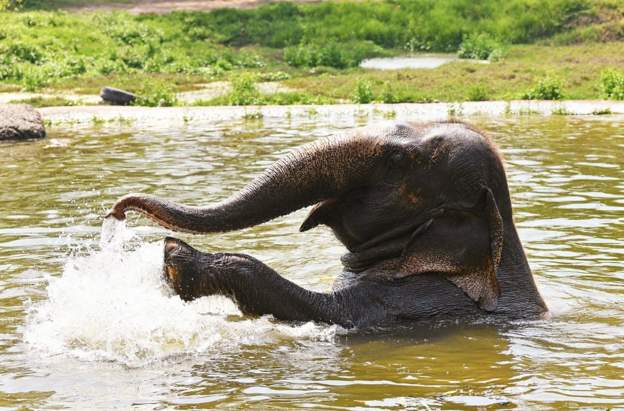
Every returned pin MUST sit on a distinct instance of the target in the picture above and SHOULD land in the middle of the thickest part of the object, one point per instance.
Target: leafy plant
(274, 76)
(612, 84)
(22, 52)
(331, 54)
(155, 93)
(7, 5)
(33, 80)
(363, 93)
(244, 91)
(549, 88)
(388, 95)
(480, 46)
(11, 72)
(478, 93)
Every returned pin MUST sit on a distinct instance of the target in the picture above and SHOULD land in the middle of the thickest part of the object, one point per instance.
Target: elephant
(423, 210)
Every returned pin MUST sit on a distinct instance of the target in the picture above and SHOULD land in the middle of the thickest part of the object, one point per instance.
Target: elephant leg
(255, 287)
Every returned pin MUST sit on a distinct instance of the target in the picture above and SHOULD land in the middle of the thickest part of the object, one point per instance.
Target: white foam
(113, 305)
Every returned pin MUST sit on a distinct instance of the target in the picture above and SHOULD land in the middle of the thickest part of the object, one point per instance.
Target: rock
(116, 96)
(20, 122)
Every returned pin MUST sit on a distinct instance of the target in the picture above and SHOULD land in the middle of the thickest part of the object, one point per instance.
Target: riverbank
(567, 72)
(99, 115)
(556, 51)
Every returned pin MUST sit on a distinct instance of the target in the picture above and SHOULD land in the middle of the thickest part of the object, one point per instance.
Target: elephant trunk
(317, 171)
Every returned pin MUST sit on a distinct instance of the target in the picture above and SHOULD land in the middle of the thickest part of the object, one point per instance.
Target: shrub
(223, 64)
(198, 32)
(6, 5)
(33, 79)
(612, 84)
(549, 88)
(388, 95)
(481, 47)
(69, 67)
(10, 72)
(245, 60)
(331, 54)
(244, 91)
(24, 52)
(363, 92)
(274, 76)
(132, 57)
(299, 56)
(106, 67)
(128, 31)
(156, 94)
(478, 93)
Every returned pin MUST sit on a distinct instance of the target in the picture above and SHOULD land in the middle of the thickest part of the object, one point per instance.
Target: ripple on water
(104, 308)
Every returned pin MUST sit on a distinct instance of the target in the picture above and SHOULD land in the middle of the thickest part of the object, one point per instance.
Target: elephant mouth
(390, 243)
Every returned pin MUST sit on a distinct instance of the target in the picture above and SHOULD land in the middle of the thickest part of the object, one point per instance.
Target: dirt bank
(166, 6)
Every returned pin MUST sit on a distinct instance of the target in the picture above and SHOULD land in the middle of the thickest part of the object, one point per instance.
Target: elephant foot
(255, 287)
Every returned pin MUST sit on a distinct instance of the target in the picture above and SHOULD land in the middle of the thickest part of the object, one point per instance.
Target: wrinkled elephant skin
(423, 209)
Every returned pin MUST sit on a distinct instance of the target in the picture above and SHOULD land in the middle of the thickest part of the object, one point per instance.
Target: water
(423, 61)
(86, 321)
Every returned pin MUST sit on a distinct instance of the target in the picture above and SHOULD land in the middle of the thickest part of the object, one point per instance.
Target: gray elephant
(423, 209)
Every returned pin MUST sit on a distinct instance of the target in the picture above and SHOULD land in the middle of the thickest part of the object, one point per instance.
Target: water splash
(113, 305)
(114, 234)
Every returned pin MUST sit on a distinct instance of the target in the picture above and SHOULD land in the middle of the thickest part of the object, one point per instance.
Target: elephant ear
(465, 244)
(321, 213)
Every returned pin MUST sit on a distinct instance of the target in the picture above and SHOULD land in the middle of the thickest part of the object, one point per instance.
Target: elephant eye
(397, 158)
(396, 161)
(395, 165)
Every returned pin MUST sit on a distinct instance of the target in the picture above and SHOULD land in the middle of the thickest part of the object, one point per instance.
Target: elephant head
(405, 200)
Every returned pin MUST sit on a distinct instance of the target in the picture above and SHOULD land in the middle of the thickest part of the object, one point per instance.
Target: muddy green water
(84, 326)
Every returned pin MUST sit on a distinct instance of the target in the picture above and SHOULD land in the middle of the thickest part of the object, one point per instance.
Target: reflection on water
(422, 61)
(425, 61)
(84, 324)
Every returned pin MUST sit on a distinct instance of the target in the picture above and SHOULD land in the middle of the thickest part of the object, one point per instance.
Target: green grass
(579, 67)
(45, 101)
(244, 93)
(315, 49)
(436, 25)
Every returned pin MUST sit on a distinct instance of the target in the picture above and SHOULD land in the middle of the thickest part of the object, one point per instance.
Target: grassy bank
(577, 71)
(315, 48)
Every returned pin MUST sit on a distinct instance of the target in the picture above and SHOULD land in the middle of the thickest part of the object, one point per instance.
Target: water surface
(422, 61)
(90, 325)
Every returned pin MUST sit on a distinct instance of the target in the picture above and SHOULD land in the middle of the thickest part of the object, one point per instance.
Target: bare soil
(166, 6)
